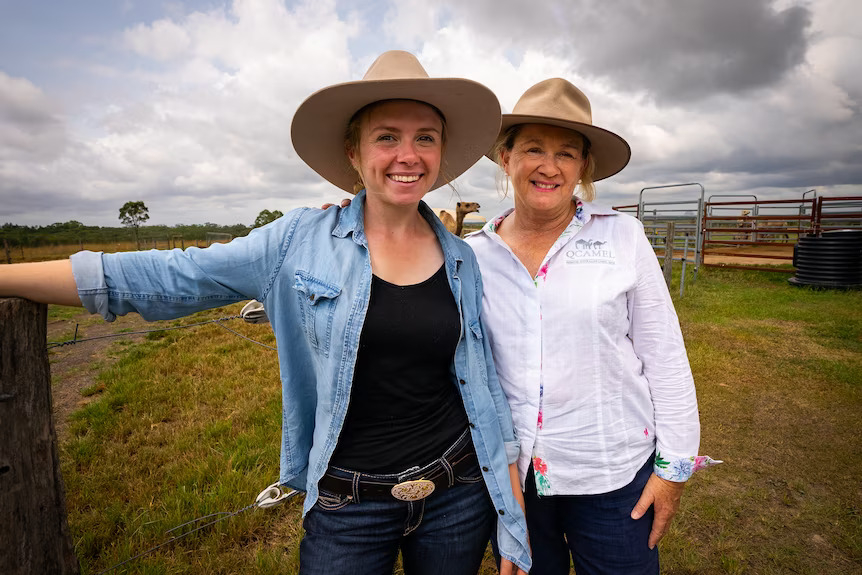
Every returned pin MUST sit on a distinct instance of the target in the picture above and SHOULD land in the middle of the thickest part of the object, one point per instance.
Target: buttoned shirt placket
(571, 231)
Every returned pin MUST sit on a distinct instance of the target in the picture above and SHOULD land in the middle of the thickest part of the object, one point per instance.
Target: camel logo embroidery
(587, 251)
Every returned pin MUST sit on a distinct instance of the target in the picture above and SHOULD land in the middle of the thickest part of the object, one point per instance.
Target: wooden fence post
(668, 253)
(33, 529)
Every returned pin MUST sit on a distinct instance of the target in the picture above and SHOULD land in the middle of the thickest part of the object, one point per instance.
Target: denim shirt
(312, 271)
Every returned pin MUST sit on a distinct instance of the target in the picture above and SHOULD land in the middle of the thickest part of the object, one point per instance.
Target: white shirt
(590, 356)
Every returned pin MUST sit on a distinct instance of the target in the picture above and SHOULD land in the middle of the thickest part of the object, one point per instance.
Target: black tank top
(405, 408)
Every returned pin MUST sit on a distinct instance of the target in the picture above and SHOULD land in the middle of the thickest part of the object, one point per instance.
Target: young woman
(394, 422)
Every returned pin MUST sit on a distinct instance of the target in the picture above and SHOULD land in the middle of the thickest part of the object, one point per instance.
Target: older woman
(394, 422)
(587, 346)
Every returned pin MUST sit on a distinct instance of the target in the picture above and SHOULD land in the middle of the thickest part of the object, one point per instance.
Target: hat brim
(471, 110)
(610, 151)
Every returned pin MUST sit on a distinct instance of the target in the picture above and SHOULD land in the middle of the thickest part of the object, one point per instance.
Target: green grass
(60, 312)
(779, 377)
(187, 423)
(179, 432)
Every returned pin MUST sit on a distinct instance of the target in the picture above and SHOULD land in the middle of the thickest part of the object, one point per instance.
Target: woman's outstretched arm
(44, 282)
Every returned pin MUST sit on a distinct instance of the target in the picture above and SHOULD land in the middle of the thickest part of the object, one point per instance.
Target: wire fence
(267, 498)
(218, 321)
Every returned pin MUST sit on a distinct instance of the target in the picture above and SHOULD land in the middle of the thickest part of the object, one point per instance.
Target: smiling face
(398, 150)
(545, 164)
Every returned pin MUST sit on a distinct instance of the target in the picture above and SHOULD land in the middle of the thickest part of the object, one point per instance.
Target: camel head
(467, 207)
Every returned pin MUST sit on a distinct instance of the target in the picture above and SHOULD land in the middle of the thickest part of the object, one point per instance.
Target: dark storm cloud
(676, 51)
(687, 50)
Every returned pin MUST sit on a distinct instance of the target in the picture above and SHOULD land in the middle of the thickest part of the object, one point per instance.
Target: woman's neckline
(418, 284)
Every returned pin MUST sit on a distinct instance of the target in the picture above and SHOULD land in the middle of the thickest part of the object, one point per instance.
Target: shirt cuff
(513, 451)
(510, 548)
(90, 280)
(681, 468)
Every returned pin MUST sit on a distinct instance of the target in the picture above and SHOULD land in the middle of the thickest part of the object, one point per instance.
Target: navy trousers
(596, 530)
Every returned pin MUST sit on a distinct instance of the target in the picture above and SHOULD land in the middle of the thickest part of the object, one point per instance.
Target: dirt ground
(75, 367)
(741, 259)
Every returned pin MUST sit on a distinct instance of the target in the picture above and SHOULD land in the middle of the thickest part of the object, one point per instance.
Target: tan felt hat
(471, 110)
(558, 102)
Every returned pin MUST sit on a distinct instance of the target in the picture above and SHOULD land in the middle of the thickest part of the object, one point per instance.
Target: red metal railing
(819, 217)
(753, 230)
(815, 216)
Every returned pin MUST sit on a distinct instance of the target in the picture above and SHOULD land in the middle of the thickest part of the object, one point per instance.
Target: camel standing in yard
(456, 224)
(763, 229)
(744, 222)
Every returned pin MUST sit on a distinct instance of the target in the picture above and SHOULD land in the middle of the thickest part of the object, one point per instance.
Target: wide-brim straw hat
(558, 102)
(471, 111)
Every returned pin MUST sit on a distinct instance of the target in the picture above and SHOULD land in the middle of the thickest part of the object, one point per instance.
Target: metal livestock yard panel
(768, 223)
(752, 227)
(687, 215)
(837, 213)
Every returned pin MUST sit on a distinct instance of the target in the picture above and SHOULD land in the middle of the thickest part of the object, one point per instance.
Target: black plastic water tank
(831, 260)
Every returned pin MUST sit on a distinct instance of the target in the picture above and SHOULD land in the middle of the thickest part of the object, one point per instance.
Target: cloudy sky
(187, 105)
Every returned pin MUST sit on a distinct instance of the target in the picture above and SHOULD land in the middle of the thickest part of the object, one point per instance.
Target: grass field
(52, 252)
(187, 424)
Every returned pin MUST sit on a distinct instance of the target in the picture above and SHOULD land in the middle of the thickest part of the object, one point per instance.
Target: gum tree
(266, 217)
(132, 215)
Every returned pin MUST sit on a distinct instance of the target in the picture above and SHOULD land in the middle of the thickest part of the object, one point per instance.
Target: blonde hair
(354, 130)
(586, 189)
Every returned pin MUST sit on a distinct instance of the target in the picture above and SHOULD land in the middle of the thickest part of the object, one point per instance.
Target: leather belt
(410, 485)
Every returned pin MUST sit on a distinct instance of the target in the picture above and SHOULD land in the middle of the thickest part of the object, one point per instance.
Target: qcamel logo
(591, 252)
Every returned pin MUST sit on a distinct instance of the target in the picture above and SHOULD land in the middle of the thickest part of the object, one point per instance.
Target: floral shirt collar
(580, 218)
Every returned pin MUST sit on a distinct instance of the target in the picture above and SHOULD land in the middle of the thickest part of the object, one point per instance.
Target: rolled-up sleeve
(166, 284)
(90, 279)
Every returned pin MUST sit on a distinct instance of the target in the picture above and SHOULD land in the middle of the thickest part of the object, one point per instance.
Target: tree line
(132, 216)
(73, 232)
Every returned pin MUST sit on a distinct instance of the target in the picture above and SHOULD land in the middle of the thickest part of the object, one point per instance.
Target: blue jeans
(447, 532)
(597, 530)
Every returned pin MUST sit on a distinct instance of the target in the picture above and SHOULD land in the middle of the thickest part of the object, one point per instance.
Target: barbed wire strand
(223, 515)
(218, 321)
(245, 337)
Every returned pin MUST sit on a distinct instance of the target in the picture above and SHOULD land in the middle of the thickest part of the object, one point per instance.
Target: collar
(584, 211)
(351, 220)
(595, 209)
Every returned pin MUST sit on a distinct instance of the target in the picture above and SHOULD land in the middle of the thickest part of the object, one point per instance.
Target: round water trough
(831, 260)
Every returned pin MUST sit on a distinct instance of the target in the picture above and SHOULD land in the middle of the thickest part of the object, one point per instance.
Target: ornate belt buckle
(413, 490)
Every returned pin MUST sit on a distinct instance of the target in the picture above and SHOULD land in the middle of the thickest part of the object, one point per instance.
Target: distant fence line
(54, 250)
(72, 233)
(729, 227)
